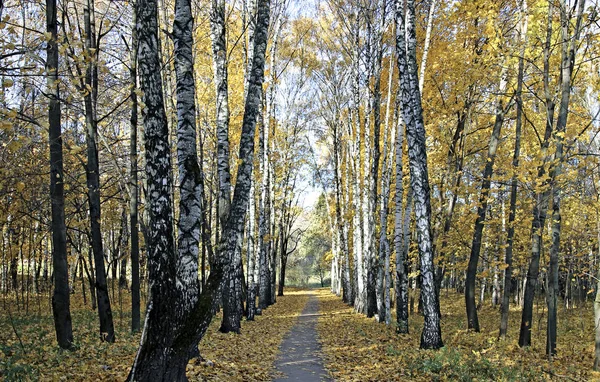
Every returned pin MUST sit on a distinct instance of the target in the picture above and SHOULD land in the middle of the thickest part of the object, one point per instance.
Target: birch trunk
(190, 203)
(233, 231)
(360, 304)
(383, 307)
(430, 15)
(431, 337)
(251, 252)
(152, 362)
(263, 224)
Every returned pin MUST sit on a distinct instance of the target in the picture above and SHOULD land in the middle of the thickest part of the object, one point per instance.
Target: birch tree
(431, 337)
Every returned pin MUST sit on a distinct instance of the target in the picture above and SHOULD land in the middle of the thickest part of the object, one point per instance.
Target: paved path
(300, 351)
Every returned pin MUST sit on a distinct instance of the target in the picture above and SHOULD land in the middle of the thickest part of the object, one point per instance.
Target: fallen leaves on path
(357, 348)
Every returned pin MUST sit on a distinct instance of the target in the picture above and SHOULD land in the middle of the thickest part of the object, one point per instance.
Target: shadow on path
(300, 351)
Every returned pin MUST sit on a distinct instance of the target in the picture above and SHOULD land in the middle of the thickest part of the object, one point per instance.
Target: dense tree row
(455, 145)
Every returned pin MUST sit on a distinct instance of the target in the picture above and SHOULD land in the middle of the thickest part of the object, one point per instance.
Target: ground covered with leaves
(360, 349)
(28, 349)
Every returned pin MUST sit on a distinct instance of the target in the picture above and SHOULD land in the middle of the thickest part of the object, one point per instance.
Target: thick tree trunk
(165, 348)
(133, 185)
(472, 319)
(60, 296)
(107, 332)
(431, 337)
(152, 362)
(190, 182)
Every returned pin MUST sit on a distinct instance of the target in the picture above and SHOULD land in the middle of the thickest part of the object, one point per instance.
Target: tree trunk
(373, 181)
(431, 337)
(514, 181)
(400, 229)
(386, 175)
(264, 292)
(251, 252)
(472, 319)
(233, 230)
(190, 182)
(133, 185)
(541, 199)
(60, 296)
(568, 54)
(107, 332)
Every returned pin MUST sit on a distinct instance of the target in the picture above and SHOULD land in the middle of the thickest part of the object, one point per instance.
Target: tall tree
(233, 231)
(508, 256)
(431, 337)
(550, 168)
(568, 52)
(61, 294)
(472, 319)
(190, 182)
(133, 183)
(107, 330)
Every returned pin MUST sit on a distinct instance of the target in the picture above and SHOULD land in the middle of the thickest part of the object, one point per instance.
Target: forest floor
(360, 349)
(33, 355)
(354, 348)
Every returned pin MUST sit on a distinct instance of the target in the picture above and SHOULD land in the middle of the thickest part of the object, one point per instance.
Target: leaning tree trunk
(472, 319)
(60, 296)
(431, 337)
(107, 331)
(233, 230)
(165, 348)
